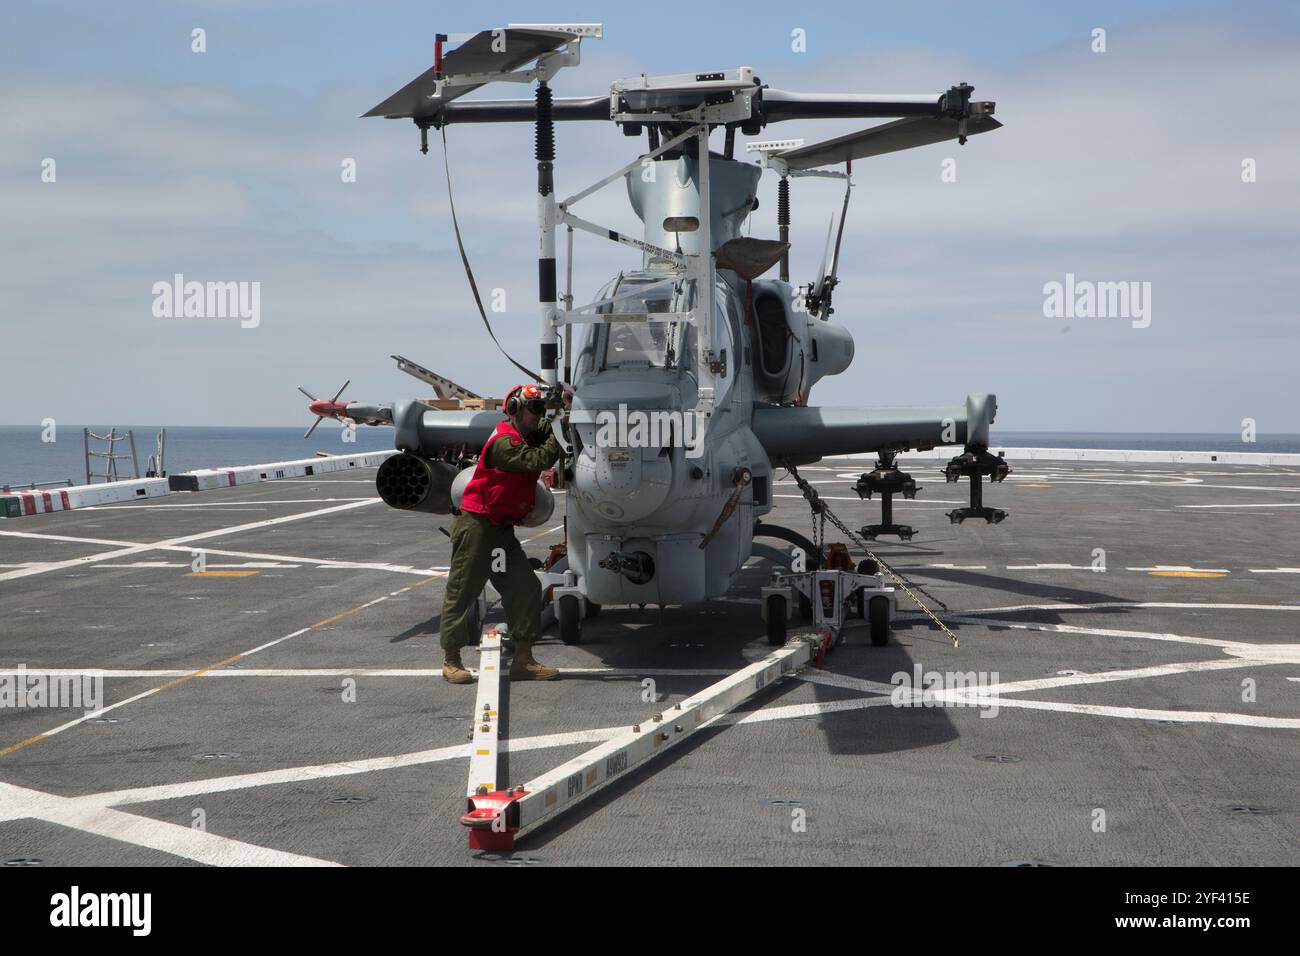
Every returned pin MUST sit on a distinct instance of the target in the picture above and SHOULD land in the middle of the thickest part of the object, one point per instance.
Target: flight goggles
(529, 397)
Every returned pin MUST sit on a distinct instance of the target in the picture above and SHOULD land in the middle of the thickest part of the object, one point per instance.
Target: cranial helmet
(525, 396)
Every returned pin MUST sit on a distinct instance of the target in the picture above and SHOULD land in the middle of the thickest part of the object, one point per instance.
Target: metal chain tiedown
(819, 538)
(822, 512)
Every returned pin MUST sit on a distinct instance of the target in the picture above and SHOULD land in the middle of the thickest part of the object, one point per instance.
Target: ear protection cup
(514, 398)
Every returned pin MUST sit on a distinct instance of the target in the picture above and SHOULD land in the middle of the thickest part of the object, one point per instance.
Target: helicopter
(694, 340)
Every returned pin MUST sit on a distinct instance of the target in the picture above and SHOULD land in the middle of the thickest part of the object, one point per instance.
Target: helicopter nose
(621, 486)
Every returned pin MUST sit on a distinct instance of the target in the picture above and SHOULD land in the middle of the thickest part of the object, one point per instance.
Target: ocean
(25, 458)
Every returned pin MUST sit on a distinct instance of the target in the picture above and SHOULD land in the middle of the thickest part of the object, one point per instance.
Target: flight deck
(1133, 631)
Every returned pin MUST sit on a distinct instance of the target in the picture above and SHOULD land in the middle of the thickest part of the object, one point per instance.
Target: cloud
(1118, 166)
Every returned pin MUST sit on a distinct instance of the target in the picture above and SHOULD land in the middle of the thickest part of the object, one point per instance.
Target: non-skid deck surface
(285, 706)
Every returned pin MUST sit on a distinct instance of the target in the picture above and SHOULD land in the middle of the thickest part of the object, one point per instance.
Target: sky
(1117, 166)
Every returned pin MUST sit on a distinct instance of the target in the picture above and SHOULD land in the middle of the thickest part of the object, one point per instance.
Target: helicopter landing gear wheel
(593, 609)
(878, 620)
(777, 613)
(805, 608)
(568, 616)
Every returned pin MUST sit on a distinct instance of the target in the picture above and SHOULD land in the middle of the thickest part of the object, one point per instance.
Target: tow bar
(497, 816)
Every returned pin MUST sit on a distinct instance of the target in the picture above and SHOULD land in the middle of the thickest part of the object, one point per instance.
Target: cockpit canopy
(635, 339)
(628, 340)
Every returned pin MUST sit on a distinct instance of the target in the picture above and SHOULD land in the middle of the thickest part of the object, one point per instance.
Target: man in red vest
(500, 494)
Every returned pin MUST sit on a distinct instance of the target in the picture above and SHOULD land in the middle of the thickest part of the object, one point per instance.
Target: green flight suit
(474, 546)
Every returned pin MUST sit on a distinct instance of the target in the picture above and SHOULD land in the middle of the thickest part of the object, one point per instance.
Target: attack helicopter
(714, 359)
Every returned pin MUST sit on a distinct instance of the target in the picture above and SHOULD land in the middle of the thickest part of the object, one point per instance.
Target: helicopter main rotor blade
(307, 433)
(776, 106)
(340, 391)
(779, 105)
(307, 393)
(886, 138)
(565, 109)
(487, 52)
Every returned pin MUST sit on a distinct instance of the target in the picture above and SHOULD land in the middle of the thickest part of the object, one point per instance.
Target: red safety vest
(504, 497)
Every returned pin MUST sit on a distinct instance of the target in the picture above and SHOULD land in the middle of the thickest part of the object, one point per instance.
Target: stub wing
(420, 428)
(805, 434)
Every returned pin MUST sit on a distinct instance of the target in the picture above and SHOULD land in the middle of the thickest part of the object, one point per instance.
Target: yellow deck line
(211, 667)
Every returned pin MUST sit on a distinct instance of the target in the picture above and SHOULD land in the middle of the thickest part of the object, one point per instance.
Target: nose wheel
(568, 616)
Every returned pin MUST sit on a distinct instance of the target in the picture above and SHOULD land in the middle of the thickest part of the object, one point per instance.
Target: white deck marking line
(792, 711)
(242, 503)
(1106, 605)
(837, 480)
(844, 681)
(902, 503)
(1181, 567)
(1287, 504)
(20, 803)
(1250, 488)
(278, 640)
(43, 536)
(138, 565)
(1160, 482)
(1262, 653)
(543, 534)
(1221, 514)
(1139, 713)
(953, 567)
(192, 788)
(971, 703)
(229, 671)
(199, 672)
(91, 714)
(459, 751)
(185, 539)
(1043, 683)
(1102, 677)
(324, 563)
(826, 497)
(1093, 631)
(220, 552)
(243, 506)
(1052, 567)
(1275, 570)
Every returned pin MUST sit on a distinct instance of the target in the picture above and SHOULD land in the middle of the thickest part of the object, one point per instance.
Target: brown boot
(453, 671)
(524, 667)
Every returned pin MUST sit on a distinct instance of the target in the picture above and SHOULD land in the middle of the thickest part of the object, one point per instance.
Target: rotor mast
(681, 109)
